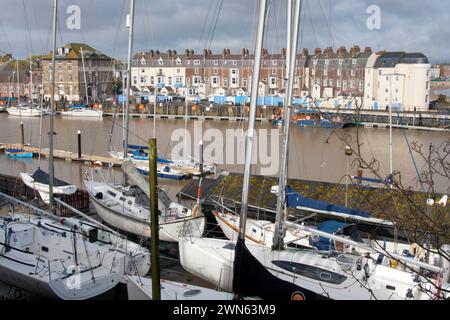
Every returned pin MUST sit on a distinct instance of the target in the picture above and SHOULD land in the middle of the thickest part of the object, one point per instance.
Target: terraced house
(342, 78)
(81, 72)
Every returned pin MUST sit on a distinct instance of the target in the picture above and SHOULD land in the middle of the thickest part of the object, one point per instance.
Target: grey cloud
(406, 25)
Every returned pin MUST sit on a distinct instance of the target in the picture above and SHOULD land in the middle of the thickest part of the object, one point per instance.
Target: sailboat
(126, 206)
(284, 273)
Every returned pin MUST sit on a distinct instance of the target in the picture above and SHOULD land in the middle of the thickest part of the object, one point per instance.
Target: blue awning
(295, 200)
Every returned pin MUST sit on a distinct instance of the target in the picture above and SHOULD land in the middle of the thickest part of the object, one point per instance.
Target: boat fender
(196, 211)
(359, 264)
(366, 270)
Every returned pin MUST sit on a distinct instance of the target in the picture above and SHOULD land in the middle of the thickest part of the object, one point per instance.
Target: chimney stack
(305, 52)
(205, 53)
(317, 51)
(342, 51)
(368, 50)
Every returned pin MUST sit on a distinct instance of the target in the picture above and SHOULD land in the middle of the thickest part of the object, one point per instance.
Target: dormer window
(354, 61)
(178, 61)
(143, 61)
(340, 61)
(315, 62)
(196, 62)
(327, 62)
(274, 62)
(160, 61)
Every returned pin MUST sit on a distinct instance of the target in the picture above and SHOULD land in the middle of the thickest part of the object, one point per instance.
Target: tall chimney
(317, 51)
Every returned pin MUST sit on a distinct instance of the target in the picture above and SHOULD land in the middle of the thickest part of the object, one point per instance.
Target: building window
(196, 80)
(380, 72)
(244, 82)
(196, 62)
(427, 98)
(274, 72)
(325, 72)
(353, 61)
(152, 80)
(234, 62)
(216, 62)
(143, 79)
(315, 62)
(339, 72)
(233, 71)
(427, 85)
(361, 86)
(233, 81)
(143, 70)
(215, 71)
(311, 272)
(330, 82)
(178, 80)
(225, 82)
(178, 61)
(352, 72)
(196, 71)
(340, 61)
(273, 81)
(344, 85)
(178, 71)
(274, 62)
(327, 62)
(215, 80)
(170, 81)
(325, 82)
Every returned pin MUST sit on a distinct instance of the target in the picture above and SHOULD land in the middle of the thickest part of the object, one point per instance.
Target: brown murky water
(311, 157)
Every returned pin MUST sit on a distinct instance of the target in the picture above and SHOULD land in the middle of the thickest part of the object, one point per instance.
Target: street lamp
(348, 153)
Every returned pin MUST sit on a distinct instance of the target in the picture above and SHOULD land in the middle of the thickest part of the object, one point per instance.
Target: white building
(166, 71)
(397, 78)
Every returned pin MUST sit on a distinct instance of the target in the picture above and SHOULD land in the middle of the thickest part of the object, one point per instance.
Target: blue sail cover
(331, 227)
(295, 200)
(133, 146)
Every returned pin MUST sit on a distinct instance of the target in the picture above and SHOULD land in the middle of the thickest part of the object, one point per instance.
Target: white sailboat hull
(169, 231)
(43, 189)
(42, 261)
(82, 113)
(206, 259)
(140, 288)
(258, 231)
(24, 112)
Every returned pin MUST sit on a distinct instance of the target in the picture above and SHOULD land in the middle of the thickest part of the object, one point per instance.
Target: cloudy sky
(407, 25)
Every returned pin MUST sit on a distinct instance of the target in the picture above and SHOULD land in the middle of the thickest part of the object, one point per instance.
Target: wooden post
(154, 224)
(79, 143)
(22, 135)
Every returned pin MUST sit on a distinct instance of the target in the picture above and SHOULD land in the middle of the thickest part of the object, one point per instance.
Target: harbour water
(315, 154)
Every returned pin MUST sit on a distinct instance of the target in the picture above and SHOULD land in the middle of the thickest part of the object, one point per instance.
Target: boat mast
(84, 72)
(130, 23)
(292, 42)
(252, 115)
(31, 82)
(52, 101)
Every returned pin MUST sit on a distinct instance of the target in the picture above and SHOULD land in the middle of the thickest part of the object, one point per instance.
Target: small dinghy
(39, 181)
(18, 153)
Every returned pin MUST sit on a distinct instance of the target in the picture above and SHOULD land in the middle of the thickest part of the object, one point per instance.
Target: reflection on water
(312, 155)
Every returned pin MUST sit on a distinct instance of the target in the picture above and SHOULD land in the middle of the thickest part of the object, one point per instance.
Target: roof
(75, 53)
(8, 71)
(391, 59)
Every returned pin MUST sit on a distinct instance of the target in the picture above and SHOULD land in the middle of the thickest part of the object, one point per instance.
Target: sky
(401, 25)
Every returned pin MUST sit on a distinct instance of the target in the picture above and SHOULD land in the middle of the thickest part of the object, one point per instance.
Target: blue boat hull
(319, 124)
(20, 155)
(163, 175)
